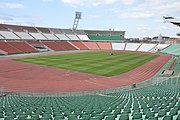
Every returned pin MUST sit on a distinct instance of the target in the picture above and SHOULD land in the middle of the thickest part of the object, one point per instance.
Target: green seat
(98, 111)
(178, 117)
(79, 119)
(100, 116)
(45, 118)
(153, 118)
(77, 112)
(124, 117)
(72, 116)
(85, 116)
(126, 111)
(136, 110)
(22, 117)
(87, 112)
(95, 118)
(145, 111)
(161, 113)
(94, 114)
(59, 117)
(177, 107)
(35, 117)
(156, 110)
(149, 114)
(57, 114)
(111, 117)
(168, 117)
(137, 115)
(167, 109)
(1, 115)
(10, 115)
(117, 112)
(8, 118)
(171, 105)
(174, 112)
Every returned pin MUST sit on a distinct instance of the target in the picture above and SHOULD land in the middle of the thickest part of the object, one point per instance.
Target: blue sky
(139, 18)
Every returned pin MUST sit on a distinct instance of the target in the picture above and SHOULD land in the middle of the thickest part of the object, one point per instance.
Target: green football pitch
(99, 63)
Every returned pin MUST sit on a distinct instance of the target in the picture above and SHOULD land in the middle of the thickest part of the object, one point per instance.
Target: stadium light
(78, 16)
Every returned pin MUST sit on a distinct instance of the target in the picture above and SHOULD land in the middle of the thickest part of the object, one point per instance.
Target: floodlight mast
(76, 20)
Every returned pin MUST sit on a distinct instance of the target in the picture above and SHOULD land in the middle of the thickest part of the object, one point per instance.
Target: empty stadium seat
(83, 37)
(118, 46)
(132, 46)
(172, 49)
(146, 47)
(72, 37)
(50, 36)
(38, 36)
(62, 37)
(80, 45)
(9, 48)
(24, 35)
(43, 30)
(53, 46)
(22, 46)
(98, 107)
(66, 45)
(9, 35)
(104, 46)
(91, 45)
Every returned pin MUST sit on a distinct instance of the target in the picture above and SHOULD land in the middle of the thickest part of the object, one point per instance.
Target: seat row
(153, 102)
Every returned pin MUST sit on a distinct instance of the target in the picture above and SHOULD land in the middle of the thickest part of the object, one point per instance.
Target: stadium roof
(175, 21)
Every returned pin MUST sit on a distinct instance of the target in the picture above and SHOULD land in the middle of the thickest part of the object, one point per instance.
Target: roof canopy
(175, 21)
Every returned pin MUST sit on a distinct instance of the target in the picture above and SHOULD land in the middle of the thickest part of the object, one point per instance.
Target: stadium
(70, 74)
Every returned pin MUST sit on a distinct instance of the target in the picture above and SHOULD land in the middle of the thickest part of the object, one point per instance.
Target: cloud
(11, 5)
(136, 14)
(95, 3)
(148, 9)
(92, 17)
(136, 9)
(17, 19)
(47, 0)
(127, 2)
(4, 18)
(143, 27)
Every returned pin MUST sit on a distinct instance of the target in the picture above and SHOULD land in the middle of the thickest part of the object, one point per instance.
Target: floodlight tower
(76, 20)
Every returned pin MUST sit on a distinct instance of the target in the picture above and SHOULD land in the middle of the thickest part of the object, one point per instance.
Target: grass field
(99, 63)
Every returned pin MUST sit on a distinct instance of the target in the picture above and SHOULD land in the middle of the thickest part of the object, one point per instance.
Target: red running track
(24, 77)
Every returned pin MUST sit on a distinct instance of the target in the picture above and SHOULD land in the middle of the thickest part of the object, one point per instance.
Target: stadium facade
(37, 92)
